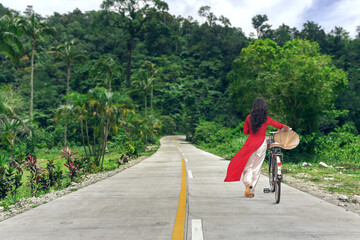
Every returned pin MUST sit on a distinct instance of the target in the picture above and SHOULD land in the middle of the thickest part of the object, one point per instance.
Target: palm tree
(153, 72)
(145, 81)
(68, 54)
(9, 41)
(152, 126)
(81, 113)
(106, 67)
(34, 29)
(64, 112)
(105, 111)
(143, 85)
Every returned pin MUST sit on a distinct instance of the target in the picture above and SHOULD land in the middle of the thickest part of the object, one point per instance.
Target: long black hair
(258, 114)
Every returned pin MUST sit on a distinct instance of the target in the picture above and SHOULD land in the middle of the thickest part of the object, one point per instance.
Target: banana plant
(11, 126)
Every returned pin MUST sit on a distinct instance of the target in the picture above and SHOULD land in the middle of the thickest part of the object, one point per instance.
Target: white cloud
(278, 12)
(327, 13)
(48, 7)
(240, 12)
(344, 14)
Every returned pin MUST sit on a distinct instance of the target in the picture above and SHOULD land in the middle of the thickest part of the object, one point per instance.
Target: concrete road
(142, 203)
(224, 212)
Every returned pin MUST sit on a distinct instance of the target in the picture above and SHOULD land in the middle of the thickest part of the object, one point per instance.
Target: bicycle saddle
(276, 144)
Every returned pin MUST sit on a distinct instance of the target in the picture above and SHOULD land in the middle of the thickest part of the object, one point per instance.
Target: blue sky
(327, 13)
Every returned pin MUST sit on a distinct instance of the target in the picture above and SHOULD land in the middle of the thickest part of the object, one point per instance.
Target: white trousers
(252, 169)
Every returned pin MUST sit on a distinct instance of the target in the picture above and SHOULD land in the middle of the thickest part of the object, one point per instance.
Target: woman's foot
(247, 191)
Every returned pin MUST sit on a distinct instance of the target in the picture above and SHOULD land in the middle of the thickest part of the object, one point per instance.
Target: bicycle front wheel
(277, 190)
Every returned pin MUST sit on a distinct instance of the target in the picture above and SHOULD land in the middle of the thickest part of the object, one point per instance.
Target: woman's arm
(247, 126)
(274, 123)
(277, 125)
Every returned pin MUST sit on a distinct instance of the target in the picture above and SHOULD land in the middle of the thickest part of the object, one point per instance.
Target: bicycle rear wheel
(277, 190)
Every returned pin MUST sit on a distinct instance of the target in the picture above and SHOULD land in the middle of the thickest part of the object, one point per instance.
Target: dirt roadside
(350, 203)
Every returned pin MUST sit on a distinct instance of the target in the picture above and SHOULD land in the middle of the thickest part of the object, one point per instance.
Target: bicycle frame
(275, 152)
(275, 173)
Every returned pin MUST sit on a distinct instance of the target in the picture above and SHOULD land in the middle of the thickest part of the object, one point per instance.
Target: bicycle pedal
(266, 190)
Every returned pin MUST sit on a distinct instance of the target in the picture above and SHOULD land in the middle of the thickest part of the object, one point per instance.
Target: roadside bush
(342, 146)
(168, 125)
(10, 177)
(219, 139)
(86, 164)
(122, 143)
(36, 174)
(119, 141)
(211, 133)
(4, 185)
(4, 158)
(238, 130)
(54, 174)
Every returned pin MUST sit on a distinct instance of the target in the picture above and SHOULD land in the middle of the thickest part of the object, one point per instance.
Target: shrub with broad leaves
(13, 177)
(54, 174)
(10, 177)
(36, 175)
(4, 185)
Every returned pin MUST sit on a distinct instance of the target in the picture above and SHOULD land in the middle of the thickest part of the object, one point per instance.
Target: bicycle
(275, 174)
(286, 139)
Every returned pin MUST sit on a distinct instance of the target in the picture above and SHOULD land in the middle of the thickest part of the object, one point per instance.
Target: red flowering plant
(66, 153)
(70, 165)
(73, 169)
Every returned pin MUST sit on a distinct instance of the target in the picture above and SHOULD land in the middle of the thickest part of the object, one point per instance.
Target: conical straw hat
(288, 138)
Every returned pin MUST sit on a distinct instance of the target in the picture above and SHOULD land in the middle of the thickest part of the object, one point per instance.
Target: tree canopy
(297, 81)
(214, 65)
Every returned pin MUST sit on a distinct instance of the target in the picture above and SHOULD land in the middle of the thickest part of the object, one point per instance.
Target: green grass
(331, 179)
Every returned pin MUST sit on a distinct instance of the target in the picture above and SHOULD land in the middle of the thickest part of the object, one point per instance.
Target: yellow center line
(176, 143)
(179, 226)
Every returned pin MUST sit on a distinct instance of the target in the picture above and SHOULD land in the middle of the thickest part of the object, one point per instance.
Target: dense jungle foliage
(114, 79)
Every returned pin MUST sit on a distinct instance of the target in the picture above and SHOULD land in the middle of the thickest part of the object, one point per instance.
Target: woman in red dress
(249, 159)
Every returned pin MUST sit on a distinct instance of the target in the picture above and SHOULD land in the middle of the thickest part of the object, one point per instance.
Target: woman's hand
(286, 128)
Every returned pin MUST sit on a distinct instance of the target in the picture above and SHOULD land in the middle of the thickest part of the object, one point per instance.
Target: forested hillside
(118, 77)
